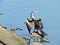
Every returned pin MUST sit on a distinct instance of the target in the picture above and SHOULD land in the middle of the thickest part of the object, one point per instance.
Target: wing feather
(40, 23)
(29, 25)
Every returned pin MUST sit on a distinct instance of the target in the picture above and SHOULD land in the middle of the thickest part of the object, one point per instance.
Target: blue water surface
(15, 11)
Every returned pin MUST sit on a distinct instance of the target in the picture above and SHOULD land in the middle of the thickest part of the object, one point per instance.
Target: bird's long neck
(31, 15)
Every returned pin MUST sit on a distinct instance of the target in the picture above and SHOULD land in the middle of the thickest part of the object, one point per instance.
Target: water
(15, 11)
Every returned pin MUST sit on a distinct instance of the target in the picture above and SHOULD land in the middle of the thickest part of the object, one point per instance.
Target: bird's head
(31, 14)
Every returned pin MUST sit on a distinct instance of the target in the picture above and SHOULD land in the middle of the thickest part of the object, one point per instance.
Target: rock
(36, 43)
(10, 38)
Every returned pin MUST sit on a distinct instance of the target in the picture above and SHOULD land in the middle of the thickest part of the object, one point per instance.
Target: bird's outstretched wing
(40, 23)
(41, 26)
(29, 24)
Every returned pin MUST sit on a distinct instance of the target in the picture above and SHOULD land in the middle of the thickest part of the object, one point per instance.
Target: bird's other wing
(40, 23)
(29, 25)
